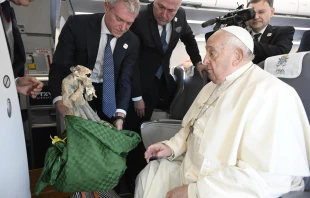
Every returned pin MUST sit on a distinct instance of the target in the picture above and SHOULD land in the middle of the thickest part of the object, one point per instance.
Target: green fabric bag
(92, 159)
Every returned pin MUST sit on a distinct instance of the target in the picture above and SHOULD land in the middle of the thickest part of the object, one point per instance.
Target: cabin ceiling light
(301, 28)
(79, 13)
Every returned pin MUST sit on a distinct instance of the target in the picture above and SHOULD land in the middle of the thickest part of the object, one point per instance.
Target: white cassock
(253, 141)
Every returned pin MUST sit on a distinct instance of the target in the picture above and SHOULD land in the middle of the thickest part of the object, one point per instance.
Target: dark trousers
(156, 94)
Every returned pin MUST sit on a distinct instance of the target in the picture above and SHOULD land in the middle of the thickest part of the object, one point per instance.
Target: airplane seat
(188, 88)
(298, 78)
(178, 76)
(186, 93)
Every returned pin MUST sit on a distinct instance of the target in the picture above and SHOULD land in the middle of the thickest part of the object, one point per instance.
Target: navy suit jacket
(78, 44)
(305, 42)
(151, 50)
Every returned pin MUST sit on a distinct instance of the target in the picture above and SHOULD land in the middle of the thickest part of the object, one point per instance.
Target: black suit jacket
(151, 52)
(19, 50)
(78, 45)
(305, 42)
(275, 40)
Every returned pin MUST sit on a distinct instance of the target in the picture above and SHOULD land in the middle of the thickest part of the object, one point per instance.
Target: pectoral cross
(191, 127)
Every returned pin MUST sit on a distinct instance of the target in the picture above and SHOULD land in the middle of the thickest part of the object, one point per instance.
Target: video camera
(238, 17)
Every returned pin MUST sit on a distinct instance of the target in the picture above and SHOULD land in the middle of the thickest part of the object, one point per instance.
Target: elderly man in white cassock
(245, 135)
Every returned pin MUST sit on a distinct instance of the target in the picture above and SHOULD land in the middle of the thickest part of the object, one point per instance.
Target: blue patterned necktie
(165, 47)
(108, 92)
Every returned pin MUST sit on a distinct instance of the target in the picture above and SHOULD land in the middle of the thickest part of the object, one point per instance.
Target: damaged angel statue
(90, 156)
(77, 89)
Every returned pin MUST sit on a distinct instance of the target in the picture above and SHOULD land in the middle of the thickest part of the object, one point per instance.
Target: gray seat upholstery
(301, 85)
(159, 130)
(187, 90)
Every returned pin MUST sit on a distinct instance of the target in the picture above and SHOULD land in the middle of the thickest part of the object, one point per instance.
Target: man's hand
(139, 107)
(159, 150)
(119, 122)
(60, 107)
(28, 86)
(200, 68)
(178, 192)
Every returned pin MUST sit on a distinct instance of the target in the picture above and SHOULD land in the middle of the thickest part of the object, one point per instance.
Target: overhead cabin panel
(204, 3)
(304, 8)
(289, 7)
(230, 4)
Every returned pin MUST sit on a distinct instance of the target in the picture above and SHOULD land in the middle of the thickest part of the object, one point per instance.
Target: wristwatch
(119, 118)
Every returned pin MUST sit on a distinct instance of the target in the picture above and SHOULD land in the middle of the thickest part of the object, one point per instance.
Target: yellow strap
(57, 139)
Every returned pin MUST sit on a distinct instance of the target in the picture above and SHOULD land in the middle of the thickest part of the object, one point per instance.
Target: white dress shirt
(168, 36)
(97, 73)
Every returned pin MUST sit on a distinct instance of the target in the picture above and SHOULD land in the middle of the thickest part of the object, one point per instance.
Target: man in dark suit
(268, 40)
(102, 43)
(305, 42)
(159, 28)
(24, 85)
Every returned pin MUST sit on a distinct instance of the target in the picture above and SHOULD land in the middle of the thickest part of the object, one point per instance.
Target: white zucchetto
(243, 35)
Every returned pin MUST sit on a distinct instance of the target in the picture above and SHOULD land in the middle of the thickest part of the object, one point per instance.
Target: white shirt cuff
(57, 99)
(120, 111)
(137, 98)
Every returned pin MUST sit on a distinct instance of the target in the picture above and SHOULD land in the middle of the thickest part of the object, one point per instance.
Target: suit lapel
(93, 40)
(119, 52)
(267, 35)
(173, 31)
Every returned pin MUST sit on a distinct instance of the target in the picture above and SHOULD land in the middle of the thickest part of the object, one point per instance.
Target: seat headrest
(285, 65)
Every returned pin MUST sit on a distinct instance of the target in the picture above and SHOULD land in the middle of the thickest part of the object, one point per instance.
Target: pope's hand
(178, 192)
(158, 150)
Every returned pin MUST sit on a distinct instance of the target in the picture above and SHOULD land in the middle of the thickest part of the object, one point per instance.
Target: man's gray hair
(132, 5)
(235, 42)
